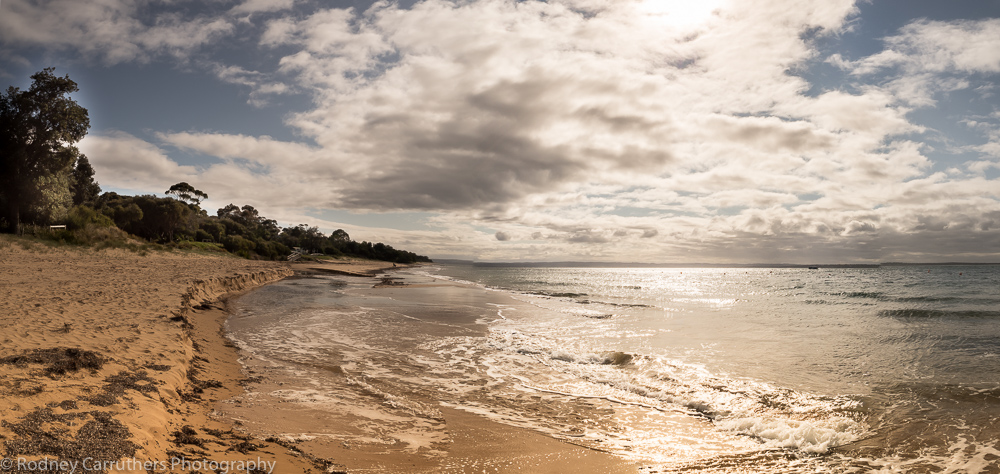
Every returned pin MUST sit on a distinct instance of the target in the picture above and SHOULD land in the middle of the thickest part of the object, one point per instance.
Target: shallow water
(891, 369)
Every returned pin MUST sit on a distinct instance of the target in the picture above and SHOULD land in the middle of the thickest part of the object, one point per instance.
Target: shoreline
(122, 358)
(359, 422)
(117, 358)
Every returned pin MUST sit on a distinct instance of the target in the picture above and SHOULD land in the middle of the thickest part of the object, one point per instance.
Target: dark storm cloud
(488, 151)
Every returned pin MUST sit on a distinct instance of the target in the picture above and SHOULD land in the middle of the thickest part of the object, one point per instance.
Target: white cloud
(601, 129)
(123, 161)
(927, 55)
(261, 86)
(108, 30)
(256, 6)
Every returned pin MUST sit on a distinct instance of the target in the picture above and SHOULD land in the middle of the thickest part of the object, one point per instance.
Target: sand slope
(114, 355)
(110, 354)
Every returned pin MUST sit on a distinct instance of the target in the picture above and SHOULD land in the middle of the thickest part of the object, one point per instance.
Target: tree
(254, 224)
(49, 199)
(85, 189)
(38, 128)
(340, 236)
(187, 193)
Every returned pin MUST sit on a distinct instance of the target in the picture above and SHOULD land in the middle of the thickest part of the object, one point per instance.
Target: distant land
(694, 265)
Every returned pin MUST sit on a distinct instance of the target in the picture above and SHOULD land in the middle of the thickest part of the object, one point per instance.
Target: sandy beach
(118, 357)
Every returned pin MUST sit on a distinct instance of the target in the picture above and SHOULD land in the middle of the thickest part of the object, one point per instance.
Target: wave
(877, 295)
(775, 417)
(927, 299)
(554, 294)
(920, 313)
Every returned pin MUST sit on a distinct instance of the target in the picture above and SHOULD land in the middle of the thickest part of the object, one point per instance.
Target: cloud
(601, 129)
(121, 160)
(257, 6)
(107, 30)
(929, 57)
(488, 103)
(262, 87)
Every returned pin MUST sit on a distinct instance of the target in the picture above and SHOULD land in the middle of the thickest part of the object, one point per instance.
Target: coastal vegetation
(48, 189)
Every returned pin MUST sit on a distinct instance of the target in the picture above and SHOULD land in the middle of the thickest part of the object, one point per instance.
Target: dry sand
(115, 355)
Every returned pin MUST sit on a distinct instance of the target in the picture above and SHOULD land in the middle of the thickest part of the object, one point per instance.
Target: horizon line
(701, 265)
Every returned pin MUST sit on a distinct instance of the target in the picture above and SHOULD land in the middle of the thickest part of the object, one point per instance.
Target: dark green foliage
(213, 228)
(380, 251)
(238, 245)
(38, 128)
(81, 217)
(271, 250)
(150, 217)
(187, 193)
(339, 236)
(309, 238)
(246, 221)
(82, 184)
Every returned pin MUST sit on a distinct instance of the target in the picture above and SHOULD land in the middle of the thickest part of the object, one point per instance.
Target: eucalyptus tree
(38, 129)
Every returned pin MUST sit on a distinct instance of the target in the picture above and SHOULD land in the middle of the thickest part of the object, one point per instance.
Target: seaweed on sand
(44, 433)
(115, 386)
(60, 360)
(186, 435)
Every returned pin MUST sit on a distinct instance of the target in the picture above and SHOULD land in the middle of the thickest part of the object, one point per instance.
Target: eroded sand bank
(114, 355)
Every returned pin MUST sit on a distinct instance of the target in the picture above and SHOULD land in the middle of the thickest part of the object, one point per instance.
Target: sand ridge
(114, 354)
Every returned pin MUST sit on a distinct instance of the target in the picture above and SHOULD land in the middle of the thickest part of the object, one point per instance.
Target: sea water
(887, 369)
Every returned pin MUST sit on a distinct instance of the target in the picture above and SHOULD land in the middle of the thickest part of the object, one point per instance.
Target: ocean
(885, 369)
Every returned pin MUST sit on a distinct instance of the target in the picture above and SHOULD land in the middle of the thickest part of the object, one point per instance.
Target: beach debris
(617, 358)
(115, 386)
(198, 386)
(389, 281)
(65, 405)
(44, 433)
(186, 435)
(60, 360)
(20, 389)
(245, 446)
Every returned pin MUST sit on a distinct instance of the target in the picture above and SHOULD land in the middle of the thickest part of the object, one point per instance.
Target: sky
(743, 131)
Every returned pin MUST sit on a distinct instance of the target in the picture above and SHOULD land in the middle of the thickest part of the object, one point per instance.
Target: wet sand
(114, 355)
(348, 370)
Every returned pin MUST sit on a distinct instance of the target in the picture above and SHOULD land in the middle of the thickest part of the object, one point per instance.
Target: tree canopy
(84, 187)
(38, 129)
(187, 193)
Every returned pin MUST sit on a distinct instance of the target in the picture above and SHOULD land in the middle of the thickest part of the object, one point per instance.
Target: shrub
(82, 216)
(238, 245)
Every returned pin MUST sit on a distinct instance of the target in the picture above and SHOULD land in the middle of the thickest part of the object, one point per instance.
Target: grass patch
(40, 240)
(204, 248)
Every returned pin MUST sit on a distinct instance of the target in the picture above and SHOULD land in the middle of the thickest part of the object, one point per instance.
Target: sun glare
(679, 12)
